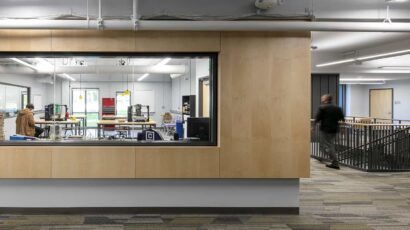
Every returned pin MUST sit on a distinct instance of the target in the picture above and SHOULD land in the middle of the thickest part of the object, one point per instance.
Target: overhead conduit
(205, 25)
(156, 25)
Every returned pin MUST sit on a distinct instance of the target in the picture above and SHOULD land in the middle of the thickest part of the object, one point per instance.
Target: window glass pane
(92, 119)
(92, 102)
(123, 100)
(78, 101)
(2, 98)
(87, 98)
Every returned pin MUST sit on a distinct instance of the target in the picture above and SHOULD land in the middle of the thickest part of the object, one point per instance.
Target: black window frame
(213, 56)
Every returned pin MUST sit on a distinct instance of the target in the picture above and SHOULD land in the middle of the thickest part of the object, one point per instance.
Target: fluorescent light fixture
(396, 1)
(396, 53)
(23, 63)
(143, 77)
(44, 65)
(363, 83)
(363, 79)
(336, 62)
(395, 67)
(175, 75)
(164, 61)
(366, 58)
(68, 77)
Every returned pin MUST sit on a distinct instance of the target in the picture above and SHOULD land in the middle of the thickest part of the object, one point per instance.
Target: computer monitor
(198, 127)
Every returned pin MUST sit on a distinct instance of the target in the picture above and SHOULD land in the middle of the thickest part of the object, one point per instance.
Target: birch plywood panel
(177, 162)
(93, 41)
(177, 41)
(265, 105)
(93, 162)
(25, 40)
(25, 162)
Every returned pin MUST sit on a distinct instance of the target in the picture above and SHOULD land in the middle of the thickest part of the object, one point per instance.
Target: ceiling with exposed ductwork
(329, 45)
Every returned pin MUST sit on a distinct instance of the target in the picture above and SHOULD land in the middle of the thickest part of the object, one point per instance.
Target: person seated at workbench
(25, 123)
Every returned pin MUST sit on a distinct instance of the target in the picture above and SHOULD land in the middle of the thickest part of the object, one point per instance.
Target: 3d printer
(54, 112)
(135, 113)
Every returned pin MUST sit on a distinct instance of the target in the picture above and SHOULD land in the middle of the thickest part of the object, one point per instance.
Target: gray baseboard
(151, 210)
(150, 193)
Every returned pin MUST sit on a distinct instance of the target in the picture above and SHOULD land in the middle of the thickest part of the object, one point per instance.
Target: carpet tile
(330, 200)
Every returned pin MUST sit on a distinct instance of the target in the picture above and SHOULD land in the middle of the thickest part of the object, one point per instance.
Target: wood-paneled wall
(263, 109)
(265, 81)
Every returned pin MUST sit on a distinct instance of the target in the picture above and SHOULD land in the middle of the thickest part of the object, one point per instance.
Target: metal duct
(206, 25)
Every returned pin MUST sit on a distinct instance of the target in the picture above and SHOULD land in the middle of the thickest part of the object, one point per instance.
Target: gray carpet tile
(330, 200)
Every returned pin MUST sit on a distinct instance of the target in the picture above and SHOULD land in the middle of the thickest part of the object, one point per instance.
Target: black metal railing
(372, 120)
(368, 147)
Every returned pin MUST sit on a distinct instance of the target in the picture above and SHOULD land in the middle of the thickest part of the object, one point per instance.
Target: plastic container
(179, 127)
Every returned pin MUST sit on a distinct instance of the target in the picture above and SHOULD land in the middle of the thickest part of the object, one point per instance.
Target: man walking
(329, 116)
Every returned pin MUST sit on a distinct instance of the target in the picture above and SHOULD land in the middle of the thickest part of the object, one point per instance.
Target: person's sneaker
(333, 166)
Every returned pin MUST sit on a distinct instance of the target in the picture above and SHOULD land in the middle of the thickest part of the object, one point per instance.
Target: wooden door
(381, 103)
(204, 97)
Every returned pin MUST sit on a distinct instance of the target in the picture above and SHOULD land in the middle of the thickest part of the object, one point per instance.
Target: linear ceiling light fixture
(363, 83)
(336, 62)
(363, 79)
(396, 1)
(23, 63)
(68, 77)
(395, 67)
(164, 61)
(145, 75)
(366, 58)
(161, 63)
(44, 65)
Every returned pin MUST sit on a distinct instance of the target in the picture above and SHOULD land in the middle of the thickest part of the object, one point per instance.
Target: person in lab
(25, 123)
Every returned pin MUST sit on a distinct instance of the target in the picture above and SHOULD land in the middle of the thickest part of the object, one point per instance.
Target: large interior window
(110, 99)
(123, 101)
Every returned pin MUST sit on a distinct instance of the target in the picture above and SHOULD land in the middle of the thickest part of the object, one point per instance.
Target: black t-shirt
(329, 116)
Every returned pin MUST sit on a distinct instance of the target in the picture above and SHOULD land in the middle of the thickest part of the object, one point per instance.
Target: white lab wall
(359, 98)
(37, 88)
(184, 85)
(162, 91)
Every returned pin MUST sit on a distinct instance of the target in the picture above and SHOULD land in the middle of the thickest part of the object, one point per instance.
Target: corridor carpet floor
(330, 200)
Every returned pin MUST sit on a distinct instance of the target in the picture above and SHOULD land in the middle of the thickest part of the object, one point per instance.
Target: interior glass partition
(111, 99)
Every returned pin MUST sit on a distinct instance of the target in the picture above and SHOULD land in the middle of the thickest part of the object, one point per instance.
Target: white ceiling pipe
(207, 25)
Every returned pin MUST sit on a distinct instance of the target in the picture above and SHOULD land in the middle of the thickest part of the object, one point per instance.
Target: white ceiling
(210, 9)
(347, 41)
(97, 68)
(335, 46)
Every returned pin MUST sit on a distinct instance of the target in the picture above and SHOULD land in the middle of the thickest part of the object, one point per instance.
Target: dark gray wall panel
(323, 84)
